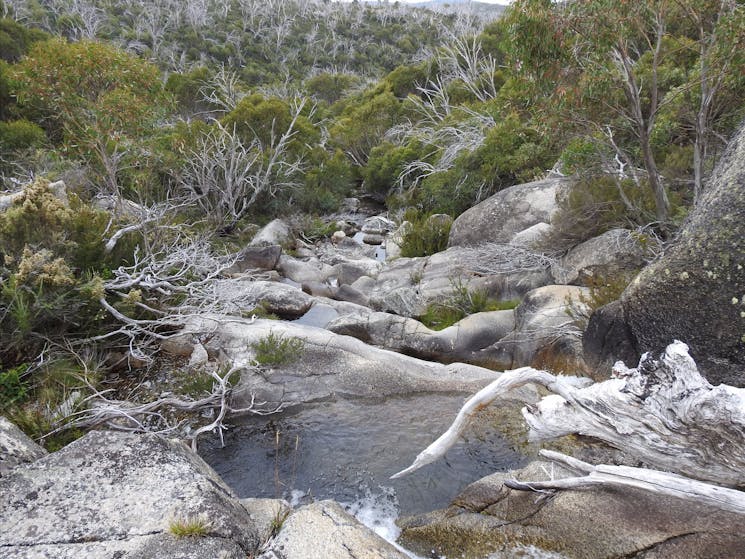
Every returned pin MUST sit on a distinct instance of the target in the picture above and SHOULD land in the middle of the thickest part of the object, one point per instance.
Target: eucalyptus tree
(718, 33)
(618, 73)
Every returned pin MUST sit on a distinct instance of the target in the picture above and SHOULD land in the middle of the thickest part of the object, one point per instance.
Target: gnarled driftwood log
(663, 412)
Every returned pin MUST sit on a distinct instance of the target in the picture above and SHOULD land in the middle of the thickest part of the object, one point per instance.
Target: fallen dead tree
(654, 481)
(663, 412)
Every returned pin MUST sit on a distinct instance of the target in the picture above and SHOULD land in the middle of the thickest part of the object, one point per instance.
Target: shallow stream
(347, 449)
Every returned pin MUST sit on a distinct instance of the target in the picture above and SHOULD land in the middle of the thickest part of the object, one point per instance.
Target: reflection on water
(345, 449)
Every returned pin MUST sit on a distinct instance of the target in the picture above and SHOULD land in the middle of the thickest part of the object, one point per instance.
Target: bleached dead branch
(663, 413)
(508, 381)
(497, 258)
(653, 481)
(98, 409)
(223, 91)
(224, 176)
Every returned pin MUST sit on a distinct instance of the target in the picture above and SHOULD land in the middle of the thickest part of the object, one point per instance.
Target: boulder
(266, 514)
(15, 447)
(264, 257)
(500, 217)
(349, 272)
(378, 225)
(303, 271)
(615, 253)
(327, 365)
(351, 294)
(396, 287)
(489, 518)
(276, 232)
(407, 286)
(458, 268)
(545, 335)
(527, 238)
(406, 335)
(324, 530)
(317, 289)
(695, 292)
(119, 206)
(119, 495)
(242, 295)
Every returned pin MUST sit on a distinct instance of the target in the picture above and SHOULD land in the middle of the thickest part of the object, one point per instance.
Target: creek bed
(346, 450)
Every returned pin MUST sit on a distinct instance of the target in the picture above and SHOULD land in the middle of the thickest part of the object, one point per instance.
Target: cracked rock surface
(600, 523)
(113, 494)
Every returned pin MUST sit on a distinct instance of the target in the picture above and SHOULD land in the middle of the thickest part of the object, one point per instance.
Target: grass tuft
(189, 526)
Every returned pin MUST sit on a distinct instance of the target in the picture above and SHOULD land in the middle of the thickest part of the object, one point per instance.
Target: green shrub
(260, 311)
(53, 255)
(316, 229)
(275, 349)
(13, 389)
(427, 234)
(329, 87)
(326, 182)
(196, 383)
(15, 39)
(385, 164)
(49, 393)
(593, 206)
(20, 134)
(460, 303)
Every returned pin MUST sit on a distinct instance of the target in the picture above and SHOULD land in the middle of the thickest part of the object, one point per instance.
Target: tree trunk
(661, 201)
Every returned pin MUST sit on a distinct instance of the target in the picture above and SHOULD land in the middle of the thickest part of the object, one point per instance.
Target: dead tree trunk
(663, 412)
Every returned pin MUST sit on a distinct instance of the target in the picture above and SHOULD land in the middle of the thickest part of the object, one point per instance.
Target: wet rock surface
(324, 530)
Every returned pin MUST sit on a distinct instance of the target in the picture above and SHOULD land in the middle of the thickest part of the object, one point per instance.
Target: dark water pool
(345, 449)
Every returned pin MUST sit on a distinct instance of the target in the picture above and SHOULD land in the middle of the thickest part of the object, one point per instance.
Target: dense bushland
(194, 121)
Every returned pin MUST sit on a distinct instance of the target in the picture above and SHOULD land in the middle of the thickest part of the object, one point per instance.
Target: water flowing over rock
(501, 217)
(324, 530)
